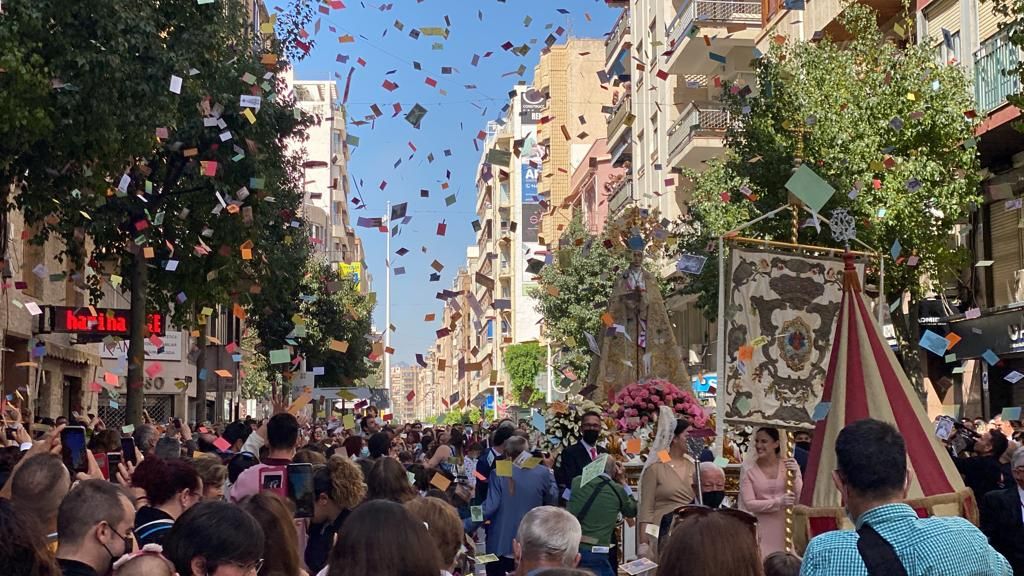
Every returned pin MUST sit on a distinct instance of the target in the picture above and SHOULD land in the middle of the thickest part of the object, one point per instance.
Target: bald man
(712, 485)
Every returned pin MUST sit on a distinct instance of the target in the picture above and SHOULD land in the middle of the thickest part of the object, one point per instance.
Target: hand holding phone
(300, 489)
(128, 449)
(103, 464)
(113, 460)
(72, 440)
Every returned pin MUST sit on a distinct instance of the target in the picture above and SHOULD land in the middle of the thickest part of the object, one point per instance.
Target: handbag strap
(590, 501)
(878, 554)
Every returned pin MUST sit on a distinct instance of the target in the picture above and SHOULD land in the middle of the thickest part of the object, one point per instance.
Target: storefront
(986, 361)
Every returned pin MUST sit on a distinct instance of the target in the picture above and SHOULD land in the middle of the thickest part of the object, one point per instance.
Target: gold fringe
(964, 501)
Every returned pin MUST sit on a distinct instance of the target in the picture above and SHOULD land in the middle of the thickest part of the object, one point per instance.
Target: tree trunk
(137, 340)
(201, 377)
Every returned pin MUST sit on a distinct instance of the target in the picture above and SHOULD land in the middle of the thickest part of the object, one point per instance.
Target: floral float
(636, 405)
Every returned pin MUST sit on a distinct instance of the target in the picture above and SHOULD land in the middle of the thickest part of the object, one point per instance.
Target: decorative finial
(844, 228)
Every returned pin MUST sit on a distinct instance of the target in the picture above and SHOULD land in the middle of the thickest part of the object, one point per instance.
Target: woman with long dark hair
(280, 539)
(388, 480)
(384, 539)
(695, 545)
(665, 485)
(763, 489)
(23, 550)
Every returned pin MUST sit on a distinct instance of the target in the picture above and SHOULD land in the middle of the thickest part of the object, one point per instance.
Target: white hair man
(712, 485)
(548, 537)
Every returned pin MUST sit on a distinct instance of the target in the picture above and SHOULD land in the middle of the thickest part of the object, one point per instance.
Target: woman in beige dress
(664, 486)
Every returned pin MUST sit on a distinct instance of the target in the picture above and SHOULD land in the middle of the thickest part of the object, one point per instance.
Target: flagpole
(387, 303)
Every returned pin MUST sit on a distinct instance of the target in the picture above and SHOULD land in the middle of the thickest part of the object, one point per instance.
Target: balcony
(994, 78)
(617, 127)
(698, 134)
(621, 197)
(731, 25)
(618, 41)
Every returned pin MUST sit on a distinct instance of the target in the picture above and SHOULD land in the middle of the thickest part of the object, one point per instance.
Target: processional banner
(780, 314)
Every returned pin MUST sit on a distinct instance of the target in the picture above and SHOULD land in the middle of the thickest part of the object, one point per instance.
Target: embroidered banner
(780, 314)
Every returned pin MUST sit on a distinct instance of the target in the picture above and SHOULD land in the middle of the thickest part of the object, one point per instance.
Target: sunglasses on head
(697, 510)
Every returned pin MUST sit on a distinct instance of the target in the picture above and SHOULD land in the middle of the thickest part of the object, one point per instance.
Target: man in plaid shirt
(872, 477)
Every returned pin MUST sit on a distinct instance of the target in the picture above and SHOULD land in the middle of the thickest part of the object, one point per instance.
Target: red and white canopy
(864, 380)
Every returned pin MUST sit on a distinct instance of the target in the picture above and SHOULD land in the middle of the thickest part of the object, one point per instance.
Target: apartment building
(569, 78)
(968, 33)
(404, 380)
(592, 184)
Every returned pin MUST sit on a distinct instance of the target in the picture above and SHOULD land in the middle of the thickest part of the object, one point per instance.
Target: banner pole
(720, 354)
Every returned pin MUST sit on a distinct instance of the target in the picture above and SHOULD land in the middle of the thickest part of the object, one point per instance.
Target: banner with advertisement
(352, 270)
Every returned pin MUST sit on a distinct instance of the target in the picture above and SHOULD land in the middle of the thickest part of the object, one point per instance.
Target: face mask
(713, 499)
(591, 436)
(127, 548)
(364, 453)
(804, 445)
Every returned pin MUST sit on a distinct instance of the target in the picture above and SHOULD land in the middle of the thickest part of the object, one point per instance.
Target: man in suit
(577, 456)
(509, 498)
(1003, 517)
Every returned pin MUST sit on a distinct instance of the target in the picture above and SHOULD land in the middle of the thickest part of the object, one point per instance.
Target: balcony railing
(711, 12)
(698, 117)
(619, 112)
(619, 31)
(994, 78)
(621, 197)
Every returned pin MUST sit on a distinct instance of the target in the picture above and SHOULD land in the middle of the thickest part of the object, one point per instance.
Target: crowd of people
(416, 500)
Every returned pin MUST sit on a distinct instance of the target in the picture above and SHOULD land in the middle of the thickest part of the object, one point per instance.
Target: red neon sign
(113, 322)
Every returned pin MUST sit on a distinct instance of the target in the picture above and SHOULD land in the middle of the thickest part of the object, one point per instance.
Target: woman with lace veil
(665, 483)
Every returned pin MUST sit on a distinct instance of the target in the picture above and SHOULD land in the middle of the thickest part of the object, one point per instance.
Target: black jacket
(571, 464)
(1001, 521)
(75, 568)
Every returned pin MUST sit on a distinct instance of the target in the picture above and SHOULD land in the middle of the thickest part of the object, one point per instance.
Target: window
(948, 50)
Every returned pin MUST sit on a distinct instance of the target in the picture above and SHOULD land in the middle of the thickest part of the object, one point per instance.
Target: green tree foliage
(881, 122)
(524, 362)
(178, 195)
(574, 291)
(324, 308)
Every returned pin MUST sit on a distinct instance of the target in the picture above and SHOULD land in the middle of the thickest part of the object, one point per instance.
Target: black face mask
(804, 445)
(128, 548)
(713, 499)
(591, 436)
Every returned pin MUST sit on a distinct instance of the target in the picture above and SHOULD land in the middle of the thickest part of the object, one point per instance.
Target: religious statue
(638, 342)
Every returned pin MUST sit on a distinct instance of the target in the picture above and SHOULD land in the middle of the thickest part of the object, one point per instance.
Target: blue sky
(451, 123)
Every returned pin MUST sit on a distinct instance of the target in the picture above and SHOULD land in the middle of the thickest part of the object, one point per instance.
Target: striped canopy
(864, 380)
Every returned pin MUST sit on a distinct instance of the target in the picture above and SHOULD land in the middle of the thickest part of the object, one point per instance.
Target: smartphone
(101, 461)
(72, 442)
(113, 459)
(300, 489)
(177, 423)
(128, 449)
(274, 479)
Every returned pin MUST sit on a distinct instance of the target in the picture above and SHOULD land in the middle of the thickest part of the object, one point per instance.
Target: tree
(524, 362)
(335, 311)
(878, 120)
(574, 291)
(324, 313)
(176, 207)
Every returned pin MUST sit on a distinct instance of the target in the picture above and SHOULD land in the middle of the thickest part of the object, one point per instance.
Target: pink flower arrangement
(637, 404)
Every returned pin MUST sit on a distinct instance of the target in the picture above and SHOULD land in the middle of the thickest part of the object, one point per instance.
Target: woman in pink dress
(763, 490)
